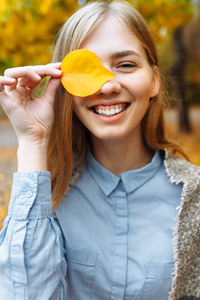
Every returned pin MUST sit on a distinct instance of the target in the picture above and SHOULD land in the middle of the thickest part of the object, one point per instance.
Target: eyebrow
(120, 54)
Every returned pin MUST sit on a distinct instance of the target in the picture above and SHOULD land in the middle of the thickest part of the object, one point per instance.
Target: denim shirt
(110, 238)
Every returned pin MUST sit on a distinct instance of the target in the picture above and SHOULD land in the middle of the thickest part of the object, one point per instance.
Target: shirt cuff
(31, 195)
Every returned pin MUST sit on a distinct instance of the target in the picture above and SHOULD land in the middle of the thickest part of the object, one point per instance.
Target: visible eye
(126, 66)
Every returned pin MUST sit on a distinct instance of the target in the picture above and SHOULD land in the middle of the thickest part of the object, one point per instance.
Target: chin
(109, 137)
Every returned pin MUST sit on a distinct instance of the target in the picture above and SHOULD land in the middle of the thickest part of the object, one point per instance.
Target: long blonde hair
(69, 138)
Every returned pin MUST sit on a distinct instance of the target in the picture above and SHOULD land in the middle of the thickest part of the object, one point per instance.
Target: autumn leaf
(83, 73)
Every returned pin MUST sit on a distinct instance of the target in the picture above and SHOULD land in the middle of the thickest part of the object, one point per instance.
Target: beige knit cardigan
(186, 234)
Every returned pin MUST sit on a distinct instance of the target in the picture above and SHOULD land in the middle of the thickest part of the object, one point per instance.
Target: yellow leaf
(83, 73)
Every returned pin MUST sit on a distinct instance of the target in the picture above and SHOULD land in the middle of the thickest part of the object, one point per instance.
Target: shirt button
(29, 194)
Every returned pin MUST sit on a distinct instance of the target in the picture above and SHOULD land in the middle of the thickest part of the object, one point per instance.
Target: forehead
(112, 36)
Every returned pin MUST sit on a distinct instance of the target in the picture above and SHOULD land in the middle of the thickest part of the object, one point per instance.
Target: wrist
(32, 157)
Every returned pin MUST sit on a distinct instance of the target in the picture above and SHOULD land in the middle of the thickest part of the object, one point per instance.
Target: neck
(121, 156)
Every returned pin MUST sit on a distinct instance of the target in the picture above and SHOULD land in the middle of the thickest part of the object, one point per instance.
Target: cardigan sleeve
(32, 254)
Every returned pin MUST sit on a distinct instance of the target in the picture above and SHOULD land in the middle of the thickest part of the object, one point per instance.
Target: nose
(111, 86)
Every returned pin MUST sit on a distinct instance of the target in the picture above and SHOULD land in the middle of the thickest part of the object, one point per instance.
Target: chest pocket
(158, 281)
(80, 272)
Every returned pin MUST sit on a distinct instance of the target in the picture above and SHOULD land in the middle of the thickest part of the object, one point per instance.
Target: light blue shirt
(110, 238)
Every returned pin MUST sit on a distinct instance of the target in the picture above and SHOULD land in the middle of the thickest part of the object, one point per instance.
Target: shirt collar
(106, 180)
(131, 180)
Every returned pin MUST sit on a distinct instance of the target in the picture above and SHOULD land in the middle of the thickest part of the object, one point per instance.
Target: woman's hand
(32, 118)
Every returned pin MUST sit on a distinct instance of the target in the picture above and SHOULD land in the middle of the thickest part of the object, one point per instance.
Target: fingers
(30, 76)
(46, 70)
(51, 89)
(30, 79)
(6, 81)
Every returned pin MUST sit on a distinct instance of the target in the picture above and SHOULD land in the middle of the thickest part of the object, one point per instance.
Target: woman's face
(116, 110)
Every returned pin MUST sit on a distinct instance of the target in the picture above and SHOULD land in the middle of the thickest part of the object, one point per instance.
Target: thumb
(52, 88)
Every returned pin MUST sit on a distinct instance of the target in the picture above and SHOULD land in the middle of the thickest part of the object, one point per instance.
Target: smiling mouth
(110, 110)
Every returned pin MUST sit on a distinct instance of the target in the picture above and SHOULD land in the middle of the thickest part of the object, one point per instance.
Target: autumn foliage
(29, 27)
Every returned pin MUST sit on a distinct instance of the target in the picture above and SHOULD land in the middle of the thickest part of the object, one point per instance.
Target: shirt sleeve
(32, 254)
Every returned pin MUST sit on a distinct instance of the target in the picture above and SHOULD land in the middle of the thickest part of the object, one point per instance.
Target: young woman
(115, 232)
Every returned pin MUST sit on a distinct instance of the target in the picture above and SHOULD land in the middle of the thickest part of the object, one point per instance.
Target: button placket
(121, 244)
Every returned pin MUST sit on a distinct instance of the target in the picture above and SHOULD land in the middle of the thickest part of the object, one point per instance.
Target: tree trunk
(178, 75)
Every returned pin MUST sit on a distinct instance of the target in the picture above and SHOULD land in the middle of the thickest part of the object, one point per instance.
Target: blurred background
(28, 29)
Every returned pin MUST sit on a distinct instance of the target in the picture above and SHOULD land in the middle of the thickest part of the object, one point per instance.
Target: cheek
(143, 87)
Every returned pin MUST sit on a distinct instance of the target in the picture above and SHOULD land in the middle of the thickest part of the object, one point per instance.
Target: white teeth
(112, 111)
(108, 112)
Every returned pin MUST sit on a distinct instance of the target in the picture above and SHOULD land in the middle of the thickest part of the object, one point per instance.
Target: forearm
(31, 245)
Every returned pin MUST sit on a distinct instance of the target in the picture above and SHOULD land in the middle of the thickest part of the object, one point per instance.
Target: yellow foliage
(83, 73)
(45, 6)
(28, 28)
(165, 13)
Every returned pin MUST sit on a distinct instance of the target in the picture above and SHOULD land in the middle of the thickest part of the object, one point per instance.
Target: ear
(155, 82)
